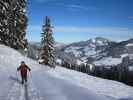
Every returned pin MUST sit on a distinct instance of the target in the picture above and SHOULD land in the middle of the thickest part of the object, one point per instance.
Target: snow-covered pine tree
(13, 25)
(21, 24)
(18, 20)
(4, 31)
(47, 54)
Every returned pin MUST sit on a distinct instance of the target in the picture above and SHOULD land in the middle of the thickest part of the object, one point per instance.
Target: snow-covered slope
(54, 84)
(100, 86)
(9, 83)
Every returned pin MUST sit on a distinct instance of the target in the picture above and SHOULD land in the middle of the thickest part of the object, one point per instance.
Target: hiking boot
(22, 82)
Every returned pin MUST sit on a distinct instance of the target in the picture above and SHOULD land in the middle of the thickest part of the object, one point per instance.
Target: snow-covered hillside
(108, 61)
(91, 48)
(101, 51)
(54, 84)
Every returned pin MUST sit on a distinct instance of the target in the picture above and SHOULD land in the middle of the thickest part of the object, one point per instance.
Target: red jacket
(23, 69)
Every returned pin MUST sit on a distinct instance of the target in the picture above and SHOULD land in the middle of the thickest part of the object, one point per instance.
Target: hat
(22, 62)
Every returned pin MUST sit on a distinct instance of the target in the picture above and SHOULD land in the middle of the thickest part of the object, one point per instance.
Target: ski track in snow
(23, 92)
(14, 93)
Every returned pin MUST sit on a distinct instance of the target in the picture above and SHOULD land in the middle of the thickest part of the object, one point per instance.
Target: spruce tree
(21, 22)
(13, 22)
(18, 23)
(47, 55)
(4, 31)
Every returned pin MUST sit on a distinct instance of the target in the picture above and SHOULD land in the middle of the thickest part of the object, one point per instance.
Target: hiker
(23, 70)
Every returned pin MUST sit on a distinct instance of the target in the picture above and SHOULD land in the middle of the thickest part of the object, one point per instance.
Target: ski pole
(17, 75)
(30, 75)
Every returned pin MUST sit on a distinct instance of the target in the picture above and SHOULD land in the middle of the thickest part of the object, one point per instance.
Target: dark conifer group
(13, 22)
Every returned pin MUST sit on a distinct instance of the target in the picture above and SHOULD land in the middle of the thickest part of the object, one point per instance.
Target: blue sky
(79, 20)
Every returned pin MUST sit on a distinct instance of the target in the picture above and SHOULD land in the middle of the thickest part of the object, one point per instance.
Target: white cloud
(76, 7)
(93, 29)
(130, 17)
(113, 33)
(44, 1)
(68, 6)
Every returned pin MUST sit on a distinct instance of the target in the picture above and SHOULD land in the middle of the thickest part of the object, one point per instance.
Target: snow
(89, 51)
(127, 55)
(40, 60)
(91, 67)
(92, 45)
(131, 68)
(79, 62)
(74, 50)
(100, 42)
(129, 44)
(93, 40)
(97, 85)
(54, 84)
(86, 51)
(124, 55)
(108, 61)
(59, 61)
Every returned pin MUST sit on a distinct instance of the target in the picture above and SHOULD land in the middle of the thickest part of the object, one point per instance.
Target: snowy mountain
(101, 51)
(54, 84)
(118, 51)
(88, 51)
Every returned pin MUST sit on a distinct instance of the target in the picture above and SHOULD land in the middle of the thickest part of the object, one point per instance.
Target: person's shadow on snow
(26, 92)
(15, 79)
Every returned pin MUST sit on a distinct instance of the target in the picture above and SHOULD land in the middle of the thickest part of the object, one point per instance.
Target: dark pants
(24, 79)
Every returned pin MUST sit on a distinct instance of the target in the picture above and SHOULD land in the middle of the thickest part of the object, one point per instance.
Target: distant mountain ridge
(87, 51)
(91, 51)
